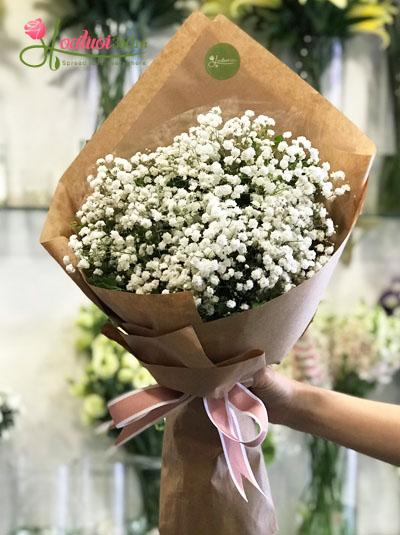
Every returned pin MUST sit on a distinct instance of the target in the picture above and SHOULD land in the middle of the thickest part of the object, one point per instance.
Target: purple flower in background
(390, 297)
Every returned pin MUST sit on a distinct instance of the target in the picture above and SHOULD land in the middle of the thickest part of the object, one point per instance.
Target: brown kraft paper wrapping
(165, 331)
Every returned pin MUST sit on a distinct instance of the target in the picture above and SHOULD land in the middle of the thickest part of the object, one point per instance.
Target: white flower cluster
(109, 371)
(9, 409)
(363, 343)
(229, 211)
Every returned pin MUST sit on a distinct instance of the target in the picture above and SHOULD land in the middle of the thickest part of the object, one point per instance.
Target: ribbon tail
(244, 465)
(234, 460)
(137, 426)
(222, 414)
(137, 410)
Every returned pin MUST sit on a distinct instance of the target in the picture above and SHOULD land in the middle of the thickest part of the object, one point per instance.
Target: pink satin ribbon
(137, 410)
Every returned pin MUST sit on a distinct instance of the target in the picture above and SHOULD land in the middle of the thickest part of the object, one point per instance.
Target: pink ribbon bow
(137, 410)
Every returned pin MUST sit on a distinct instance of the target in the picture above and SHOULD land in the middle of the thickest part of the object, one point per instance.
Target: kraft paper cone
(165, 331)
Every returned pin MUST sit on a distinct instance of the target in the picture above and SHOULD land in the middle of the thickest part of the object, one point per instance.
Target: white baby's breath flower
(229, 211)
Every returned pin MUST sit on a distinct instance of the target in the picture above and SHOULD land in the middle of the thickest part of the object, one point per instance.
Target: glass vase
(319, 61)
(95, 495)
(149, 471)
(329, 503)
(146, 449)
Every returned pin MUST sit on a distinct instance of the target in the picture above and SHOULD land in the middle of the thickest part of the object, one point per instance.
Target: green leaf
(106, 282)
(57, 64)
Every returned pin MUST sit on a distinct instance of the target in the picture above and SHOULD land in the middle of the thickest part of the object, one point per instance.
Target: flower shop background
(41, 109)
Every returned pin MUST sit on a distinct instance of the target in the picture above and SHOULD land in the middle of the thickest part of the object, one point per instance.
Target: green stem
(322, 507)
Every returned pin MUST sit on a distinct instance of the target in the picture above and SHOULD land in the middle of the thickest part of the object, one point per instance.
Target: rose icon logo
(35, 29)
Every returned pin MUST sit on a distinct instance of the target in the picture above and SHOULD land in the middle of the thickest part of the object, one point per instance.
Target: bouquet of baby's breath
(9, 411)
(230, 211)
(208, 236)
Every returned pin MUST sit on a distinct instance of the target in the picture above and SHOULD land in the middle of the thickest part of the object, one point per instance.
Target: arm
(370, 427)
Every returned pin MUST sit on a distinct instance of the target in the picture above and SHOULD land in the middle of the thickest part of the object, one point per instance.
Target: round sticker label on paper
(222, 61)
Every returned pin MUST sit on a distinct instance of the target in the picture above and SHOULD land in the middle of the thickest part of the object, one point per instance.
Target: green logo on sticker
(222, 61)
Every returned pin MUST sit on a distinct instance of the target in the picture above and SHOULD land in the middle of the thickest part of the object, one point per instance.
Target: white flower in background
(105, 362)
(125, 375)
(85, 320)
(14, 403)
(143, 378)
(109, 371)
(229, 211)
(129, 361)
(364, 342)
(94, 407)
(78, 388)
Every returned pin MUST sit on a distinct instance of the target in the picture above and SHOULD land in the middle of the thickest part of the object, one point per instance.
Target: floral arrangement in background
(110, 371)
(354, 351)
(10, 409)
(349, 353)
(304, 32)
(230, 211)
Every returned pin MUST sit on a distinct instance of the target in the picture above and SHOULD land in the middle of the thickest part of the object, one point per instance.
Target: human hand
(277, 392)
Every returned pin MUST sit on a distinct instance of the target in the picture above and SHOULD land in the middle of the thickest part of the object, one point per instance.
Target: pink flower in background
(35, 28)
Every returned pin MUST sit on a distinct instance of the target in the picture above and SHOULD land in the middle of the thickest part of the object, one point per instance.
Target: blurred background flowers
(350, 353)
(53, 354)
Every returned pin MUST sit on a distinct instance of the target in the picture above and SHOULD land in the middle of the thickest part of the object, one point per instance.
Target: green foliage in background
(110, 371)
(389, 181)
